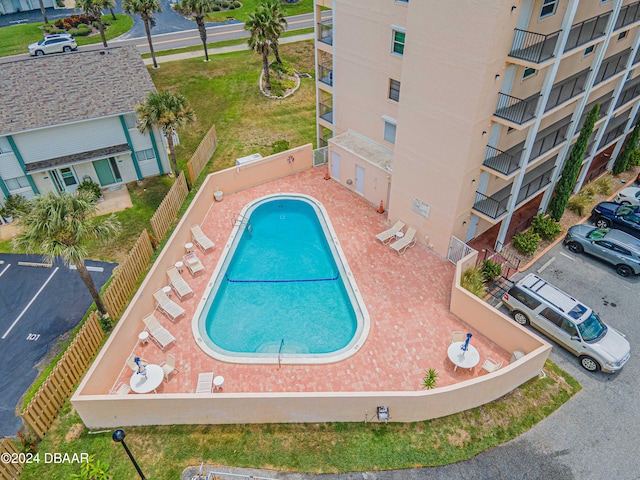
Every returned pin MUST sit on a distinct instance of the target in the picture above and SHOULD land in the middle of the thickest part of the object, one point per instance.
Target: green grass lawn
(225, 93)
(164, 452)
(249, 6)
(15, 39)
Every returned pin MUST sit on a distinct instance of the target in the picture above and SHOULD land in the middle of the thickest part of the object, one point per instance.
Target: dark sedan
(615, 215)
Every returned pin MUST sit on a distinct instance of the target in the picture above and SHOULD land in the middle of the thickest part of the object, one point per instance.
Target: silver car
(56, 43)
(613, 246)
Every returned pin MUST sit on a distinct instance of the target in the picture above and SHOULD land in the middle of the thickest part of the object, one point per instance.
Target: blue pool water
(280, 288)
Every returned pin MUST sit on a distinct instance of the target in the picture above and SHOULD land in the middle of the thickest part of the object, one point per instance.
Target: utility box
(247, 159)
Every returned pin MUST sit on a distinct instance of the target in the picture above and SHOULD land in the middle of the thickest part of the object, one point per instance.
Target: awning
(88, 156)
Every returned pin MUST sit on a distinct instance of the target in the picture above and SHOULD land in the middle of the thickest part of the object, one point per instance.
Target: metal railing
(326, 32)
(326, 112)
(516, 109)
(489, 206)
(587, 30)
(630, 92)
(567, 89)
(533, 47)
(326, 73)
(534, 186)
(628, 15)
(500, 161)
(612, 66)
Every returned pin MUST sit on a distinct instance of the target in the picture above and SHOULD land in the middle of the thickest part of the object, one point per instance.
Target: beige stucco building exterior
(459, 117)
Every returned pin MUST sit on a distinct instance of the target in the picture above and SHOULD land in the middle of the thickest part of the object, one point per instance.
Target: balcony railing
(614, 131)
(628, 15)
(567, 89)
(500, 161)
(530, 189)
(326, 112)
(586, 31)
(326, 74)
(550, 138)
(489, 206)
(326, 32)
(612, 65)
(515, 109)
(324, 140)
(533, 47)
(629, 92)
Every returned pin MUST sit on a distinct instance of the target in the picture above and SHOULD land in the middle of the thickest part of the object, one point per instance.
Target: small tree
(622, 162)
(277, 25)
(146, 9)
(572, 167)
(258, 25)
(94, 8)
(198, 8)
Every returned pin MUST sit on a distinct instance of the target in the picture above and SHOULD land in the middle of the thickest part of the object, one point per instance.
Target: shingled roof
(39, 92)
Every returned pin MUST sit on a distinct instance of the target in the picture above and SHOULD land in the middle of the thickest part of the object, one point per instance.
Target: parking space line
(15, 322)
(549, 262)
(568, 256)
(5, 269)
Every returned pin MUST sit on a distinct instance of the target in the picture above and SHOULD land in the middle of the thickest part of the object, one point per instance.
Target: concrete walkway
(216, 51)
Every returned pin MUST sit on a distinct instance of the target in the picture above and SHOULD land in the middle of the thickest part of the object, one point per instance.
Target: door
(335, 165)
(68, 179)
(107, 171)
(360, 180)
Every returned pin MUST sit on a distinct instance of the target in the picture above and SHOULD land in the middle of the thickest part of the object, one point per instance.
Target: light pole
(118, 436)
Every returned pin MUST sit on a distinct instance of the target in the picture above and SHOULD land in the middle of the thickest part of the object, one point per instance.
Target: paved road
(37, 306)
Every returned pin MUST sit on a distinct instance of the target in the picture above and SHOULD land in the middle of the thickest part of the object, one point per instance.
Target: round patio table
(468, 359)
(145, 384)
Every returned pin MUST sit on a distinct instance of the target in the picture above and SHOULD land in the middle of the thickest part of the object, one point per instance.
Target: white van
(573, 325)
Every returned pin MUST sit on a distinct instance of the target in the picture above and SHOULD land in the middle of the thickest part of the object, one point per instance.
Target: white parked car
(59, 42)
(629, 196)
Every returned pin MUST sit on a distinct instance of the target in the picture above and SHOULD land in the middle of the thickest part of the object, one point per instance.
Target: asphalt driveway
(37, 306)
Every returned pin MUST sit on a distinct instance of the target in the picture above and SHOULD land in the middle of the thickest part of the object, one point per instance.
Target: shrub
(224, 4)
(429, 379)
(579, 203)
(546, 227)
(15, 205)
(236, 4)
(231, 7)
(215, 8)
(490, 269)
(59, 23)
(526, 242)
(634, 160)
(89, 188)
(284, 68)
(473, 281)
(604, 185)
(280, 146)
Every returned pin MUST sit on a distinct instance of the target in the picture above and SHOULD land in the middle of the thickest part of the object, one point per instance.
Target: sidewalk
(216, 51)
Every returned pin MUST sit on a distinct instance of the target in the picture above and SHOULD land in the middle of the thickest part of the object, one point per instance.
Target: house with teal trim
(71, 117)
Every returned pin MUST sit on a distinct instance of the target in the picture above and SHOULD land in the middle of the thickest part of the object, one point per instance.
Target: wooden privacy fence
(116, 297)
(168, 209)
(10, 470)
(201, 156)
(55, 390)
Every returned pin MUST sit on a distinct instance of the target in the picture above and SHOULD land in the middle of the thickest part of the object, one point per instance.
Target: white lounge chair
(160, 335)
(203, 242)
(205, 382)
(193, 263)
(491, 365)
(167, 306)
(407, 241)
(386, 236)
(457, 337)
(120, 389)
(179, 284)
(169, 366)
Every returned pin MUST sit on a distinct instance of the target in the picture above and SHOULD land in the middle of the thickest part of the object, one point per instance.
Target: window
(529, 72)
(402, 1)
(394, 90)
(145, 155)
(548, 8)
(389, 130)
(16, 183)
(589, 50)
(524, 299)
(552, 316)
(130, 121)
(397, 41)
(4, 145)
(569, 327)
(621, 35)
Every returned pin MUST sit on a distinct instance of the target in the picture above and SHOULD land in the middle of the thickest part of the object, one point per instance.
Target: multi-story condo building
(459, 116)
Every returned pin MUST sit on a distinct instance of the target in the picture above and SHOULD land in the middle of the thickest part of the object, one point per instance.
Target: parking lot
(37, 306)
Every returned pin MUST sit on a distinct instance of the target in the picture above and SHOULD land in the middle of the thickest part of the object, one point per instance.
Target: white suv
(60, 42)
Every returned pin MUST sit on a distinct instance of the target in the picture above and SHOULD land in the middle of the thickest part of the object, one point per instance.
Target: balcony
(533, 47)
(586, 31)
(326, 74)
(490, 206)
(535, 181)
(628, 14)
(500, 161)
(567, 89)
(604, 101)
(326, 32)
(515, 109)
(612, 66)
(326, 111)
(550, 137)
(629, 92)
(614, 130)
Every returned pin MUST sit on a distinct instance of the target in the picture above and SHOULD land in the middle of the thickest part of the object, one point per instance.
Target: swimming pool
(282, 290)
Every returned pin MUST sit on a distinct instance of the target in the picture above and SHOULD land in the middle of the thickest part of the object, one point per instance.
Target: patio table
(468, 359)
(145, 384)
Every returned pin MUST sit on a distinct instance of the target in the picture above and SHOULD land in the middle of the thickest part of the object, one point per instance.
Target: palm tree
(258, 25)
(110, 4)
(93, 8)
(277, 25)
(44, 12)
(146, 9)
(198, 8)
(168, 111)
(60, 226)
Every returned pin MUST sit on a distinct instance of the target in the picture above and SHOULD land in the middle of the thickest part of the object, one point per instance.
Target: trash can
(517, 355)
(217, 195)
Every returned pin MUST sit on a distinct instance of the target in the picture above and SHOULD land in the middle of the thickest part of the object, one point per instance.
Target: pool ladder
(238, 220)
